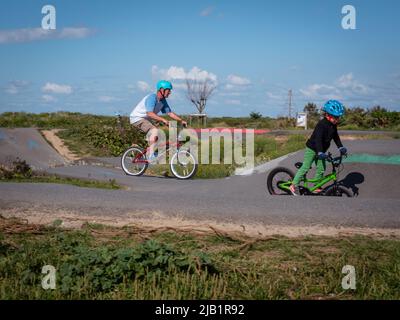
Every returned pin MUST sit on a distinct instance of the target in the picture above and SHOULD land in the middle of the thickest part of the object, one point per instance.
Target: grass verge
(20, 171)
(85, 183)
(100, 262)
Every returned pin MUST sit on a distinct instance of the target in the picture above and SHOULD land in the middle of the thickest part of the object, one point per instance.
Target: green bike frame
(317, 183)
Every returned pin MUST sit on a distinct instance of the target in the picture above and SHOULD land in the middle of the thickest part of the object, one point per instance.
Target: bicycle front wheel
(134, 162)
(183, 165)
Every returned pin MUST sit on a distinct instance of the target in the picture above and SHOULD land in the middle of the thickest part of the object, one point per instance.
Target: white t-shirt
(147, 104)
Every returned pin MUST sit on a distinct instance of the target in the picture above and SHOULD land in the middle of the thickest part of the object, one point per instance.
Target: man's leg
(152, 134)
(145, 126)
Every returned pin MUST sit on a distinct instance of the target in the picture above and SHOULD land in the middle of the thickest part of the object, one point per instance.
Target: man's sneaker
(165, 173)
(294, 190)
(153, 157)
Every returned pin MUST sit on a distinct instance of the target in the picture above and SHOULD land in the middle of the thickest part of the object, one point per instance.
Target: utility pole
(290, 103)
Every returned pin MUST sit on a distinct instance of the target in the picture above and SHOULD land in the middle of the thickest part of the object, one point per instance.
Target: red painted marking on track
(256, 131)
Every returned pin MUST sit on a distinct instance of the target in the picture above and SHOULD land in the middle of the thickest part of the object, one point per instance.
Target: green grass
(68, 120)
(56, 120)
(98, 262)
(75, 142)
(269, 148)
(85, 183)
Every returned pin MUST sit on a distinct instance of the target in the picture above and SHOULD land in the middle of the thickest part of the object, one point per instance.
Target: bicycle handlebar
(337, 160)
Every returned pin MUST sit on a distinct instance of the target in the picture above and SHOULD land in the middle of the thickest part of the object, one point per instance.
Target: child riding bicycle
(148, 108)
(319, 143)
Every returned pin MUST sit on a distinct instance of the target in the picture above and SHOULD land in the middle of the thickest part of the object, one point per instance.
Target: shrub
(19, 169)
(255, 115)
(104, 268)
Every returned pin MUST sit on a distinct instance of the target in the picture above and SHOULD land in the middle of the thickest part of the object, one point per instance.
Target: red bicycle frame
(139, 157)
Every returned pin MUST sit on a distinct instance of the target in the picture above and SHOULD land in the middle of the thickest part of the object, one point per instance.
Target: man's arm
(153, 116)
(176, 117)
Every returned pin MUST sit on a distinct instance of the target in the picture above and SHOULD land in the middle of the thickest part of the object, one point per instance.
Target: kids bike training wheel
(183, 165)
(338, 191)
(134, 162)
(276, 177)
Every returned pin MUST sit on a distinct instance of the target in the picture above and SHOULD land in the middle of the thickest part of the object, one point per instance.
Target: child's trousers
(310, 156)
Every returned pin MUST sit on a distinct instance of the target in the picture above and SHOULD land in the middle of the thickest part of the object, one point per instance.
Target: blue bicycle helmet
(164, 84)
(334, 108)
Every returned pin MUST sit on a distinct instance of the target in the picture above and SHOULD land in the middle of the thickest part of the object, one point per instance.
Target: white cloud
(273, 96)
(345, 80)
(231, 94)
(179, 73)
(233, 102)
(12, 89)
(237, 80)
(108, 99)
(16, 86)
(179, 85)
(48, 98)
(348, 82)
(207, 11)
(36, 34)
(74, 33)
(57, 88)
(345, 87)
(321, 92)
(294, 68)
(143, 86)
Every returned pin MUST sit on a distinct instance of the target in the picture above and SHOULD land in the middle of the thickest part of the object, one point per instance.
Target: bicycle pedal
(304, 191)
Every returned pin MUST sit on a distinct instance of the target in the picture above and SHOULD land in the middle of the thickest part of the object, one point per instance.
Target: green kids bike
(280, 179)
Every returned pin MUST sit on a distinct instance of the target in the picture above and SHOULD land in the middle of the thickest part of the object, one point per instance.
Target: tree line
(376, 117)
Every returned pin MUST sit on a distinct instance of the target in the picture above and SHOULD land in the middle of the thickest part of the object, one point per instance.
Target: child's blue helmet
(164, 84)
(334, 108)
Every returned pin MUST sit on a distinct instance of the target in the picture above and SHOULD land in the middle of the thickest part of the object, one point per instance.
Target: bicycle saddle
(298, 164)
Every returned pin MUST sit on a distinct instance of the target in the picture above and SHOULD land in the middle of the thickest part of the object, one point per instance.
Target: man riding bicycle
(148, 108)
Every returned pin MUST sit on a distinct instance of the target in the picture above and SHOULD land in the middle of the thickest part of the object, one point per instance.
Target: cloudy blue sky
(104, 56)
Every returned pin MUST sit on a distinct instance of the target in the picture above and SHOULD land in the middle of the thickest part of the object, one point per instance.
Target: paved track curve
(236, 199)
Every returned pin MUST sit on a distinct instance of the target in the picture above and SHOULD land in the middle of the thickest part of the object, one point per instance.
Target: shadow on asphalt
(351, 180)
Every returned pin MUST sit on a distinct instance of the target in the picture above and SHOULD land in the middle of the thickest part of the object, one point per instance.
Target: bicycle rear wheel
(134, 162)
(338, 191)
(183, 165)
(276, 178)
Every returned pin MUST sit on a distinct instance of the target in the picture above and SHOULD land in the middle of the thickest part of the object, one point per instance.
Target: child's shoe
(294, 190)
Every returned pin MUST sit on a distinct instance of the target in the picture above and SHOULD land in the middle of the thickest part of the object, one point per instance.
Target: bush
(255, 115)
(18, 169)
(104, 268)
(103, 139)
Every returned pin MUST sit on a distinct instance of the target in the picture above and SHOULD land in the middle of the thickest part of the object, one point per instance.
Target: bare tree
(198, 92)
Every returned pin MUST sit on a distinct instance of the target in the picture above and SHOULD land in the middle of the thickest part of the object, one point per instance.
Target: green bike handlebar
(337, 160)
